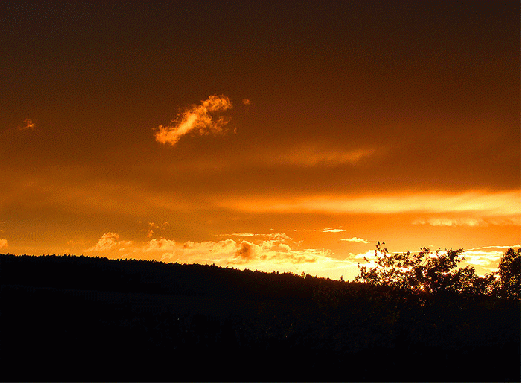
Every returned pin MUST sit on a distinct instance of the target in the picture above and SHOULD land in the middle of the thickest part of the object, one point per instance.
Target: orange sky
(268, 135)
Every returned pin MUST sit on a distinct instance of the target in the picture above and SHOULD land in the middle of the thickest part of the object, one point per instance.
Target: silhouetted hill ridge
(80, 272)
(143, 320)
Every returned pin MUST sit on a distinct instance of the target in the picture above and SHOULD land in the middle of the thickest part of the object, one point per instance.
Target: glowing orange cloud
(107, 242)
(267, 252)
(3, 243)
(450, 222)
(354, 239)
(28, 125)
(468, 221)
(331, 230)
(504, 203)
(199, 118)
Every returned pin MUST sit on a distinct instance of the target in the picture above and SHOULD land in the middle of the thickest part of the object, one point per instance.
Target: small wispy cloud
(468, 221)
(3, 243)
(487, 256)
(161, 244)
(314, 155)
(450, 222)
(238, 235)
(202, 119)
(495, 247)
(153, 226)
(484, 258)
(27, 125)
(274, 236)
(108, 242)
(354, 239)
(331, 230)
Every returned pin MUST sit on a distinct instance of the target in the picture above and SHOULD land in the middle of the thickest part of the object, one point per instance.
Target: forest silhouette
(83, 318)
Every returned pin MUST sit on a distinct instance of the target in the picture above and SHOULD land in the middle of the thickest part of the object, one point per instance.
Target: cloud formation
(153, 226)
(331, 230)
(315, 155)
(203, 119)
(108, 242)
(271, 248)
(275, 236)
(491, 204)
(267, 252)
(450, 222)
(245, 250)
(161, 245)
(354, 239)
(3, 243)
(485, 259)
(467, 221)
(494, 247)
(28, 125)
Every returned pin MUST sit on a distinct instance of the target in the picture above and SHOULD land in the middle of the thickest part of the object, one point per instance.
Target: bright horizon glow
(268, 252)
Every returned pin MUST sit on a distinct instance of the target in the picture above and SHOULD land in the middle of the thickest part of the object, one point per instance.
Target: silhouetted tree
(426, 272)
(510, 274)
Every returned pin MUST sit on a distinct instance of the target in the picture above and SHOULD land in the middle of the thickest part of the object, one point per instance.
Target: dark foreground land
(77, 318)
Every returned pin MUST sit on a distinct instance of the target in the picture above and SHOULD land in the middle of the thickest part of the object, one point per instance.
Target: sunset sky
(272, 135)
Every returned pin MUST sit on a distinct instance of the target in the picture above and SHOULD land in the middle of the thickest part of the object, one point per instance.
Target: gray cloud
(245, 251)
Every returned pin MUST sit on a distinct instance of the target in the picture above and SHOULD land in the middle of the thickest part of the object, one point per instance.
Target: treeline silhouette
(82, 318)
(437, 273)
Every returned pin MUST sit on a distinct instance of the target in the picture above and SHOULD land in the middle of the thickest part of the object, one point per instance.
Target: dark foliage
(510, 274)
(73, 318)
(428, 273)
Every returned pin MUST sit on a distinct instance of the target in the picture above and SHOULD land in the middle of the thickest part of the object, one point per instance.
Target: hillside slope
(79, 318)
